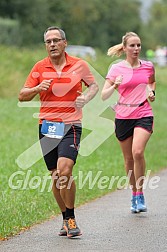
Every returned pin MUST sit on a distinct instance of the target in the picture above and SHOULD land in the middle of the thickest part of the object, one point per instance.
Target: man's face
(55, 45)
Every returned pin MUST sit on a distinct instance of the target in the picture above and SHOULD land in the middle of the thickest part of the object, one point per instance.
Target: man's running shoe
(134, 205)
(71, 228)
(63, 232)
(141, 207)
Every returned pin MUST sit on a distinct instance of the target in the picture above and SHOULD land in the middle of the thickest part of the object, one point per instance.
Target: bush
(10, 32)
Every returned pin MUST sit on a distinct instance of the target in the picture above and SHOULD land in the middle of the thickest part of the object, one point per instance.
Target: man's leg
(67, 192)
(67, 184)
(59, 200)
(56, 190)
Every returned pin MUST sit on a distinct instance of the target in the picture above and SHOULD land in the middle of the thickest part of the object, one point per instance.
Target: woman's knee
(137, 154)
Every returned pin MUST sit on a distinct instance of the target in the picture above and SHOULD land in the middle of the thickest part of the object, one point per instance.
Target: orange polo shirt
(58, 102)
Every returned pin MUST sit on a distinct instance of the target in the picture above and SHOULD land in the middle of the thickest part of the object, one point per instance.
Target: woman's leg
(140, 139)
(126, 147)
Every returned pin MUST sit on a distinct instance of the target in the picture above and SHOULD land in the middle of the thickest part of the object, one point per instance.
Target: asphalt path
(106, 224)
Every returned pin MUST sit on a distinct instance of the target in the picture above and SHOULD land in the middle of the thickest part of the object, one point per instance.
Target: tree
(156, 27)
(100, 24)
(89, 22)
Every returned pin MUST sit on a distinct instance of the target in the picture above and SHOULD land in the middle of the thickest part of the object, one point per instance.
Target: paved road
(107, 225)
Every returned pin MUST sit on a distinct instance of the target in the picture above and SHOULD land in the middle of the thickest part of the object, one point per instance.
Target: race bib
(52, 129)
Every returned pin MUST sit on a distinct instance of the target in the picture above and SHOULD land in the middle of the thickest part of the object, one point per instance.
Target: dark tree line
(87, 22)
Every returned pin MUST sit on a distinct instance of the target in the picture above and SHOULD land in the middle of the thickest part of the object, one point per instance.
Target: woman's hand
(151, 96)
(118, 81)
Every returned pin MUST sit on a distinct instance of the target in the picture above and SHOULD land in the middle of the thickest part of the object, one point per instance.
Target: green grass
(21, 208)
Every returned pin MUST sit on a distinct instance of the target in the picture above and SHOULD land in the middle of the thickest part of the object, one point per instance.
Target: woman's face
(133, 47)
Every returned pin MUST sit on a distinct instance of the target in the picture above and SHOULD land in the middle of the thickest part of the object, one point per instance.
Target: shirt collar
(69, 61)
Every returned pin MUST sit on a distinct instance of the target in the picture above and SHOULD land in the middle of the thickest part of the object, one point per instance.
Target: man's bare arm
(85, 98)
(27, 94)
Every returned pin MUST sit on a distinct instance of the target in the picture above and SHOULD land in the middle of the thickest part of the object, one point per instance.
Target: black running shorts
(68, 146)
(124, 127)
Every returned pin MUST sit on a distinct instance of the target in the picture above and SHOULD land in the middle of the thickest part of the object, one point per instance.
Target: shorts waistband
(132, 105)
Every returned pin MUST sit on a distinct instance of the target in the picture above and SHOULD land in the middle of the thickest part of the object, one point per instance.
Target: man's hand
(44, 85)
(80, 101)
(27, 94)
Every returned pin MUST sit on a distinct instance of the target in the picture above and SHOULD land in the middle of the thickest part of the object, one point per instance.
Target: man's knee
(65, 167)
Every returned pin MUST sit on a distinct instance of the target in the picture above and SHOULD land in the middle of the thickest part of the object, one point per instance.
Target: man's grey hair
(62, 33)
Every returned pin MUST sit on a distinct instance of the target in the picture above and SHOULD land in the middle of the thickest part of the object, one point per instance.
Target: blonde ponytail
(116, 50)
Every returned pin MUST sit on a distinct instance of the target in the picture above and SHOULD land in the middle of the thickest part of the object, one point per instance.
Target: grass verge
(30, 203)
